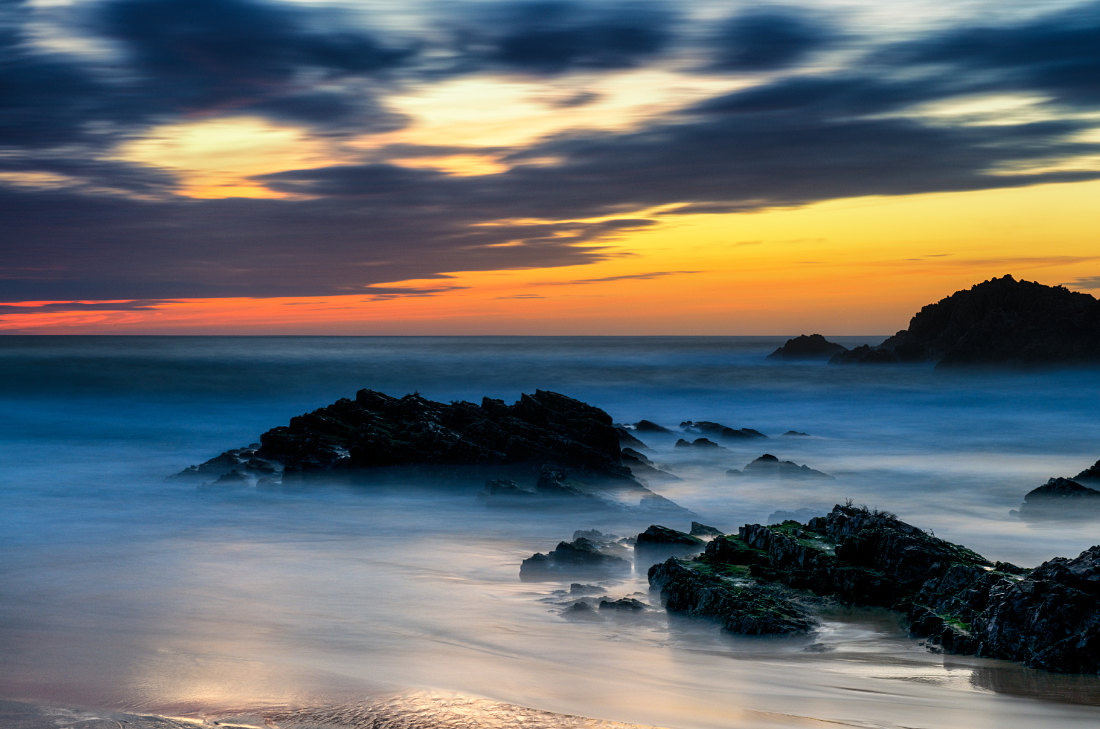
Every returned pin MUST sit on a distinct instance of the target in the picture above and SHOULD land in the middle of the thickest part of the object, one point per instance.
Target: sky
(538, 167)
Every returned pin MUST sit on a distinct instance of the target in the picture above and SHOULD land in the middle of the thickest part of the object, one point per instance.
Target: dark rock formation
(625, 604)
(578, 588)
(628, 440)
(658, 542)
(1090, 474)
(657, 534)
(702, 530)
(545, 445)
(768, 466)
(742, 606)
(721, 431)
(644, 469)
(1061, 498)
(813, 346)
(999, 322)
(796, 432)
(697, 443)
(1048, 618)
(580, 557)
(648, 426)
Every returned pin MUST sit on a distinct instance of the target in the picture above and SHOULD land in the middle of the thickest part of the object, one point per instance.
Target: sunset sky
(548, 167)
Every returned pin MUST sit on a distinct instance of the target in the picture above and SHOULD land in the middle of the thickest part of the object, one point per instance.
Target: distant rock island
(1065, 499)
(998, 322)
(808, 346)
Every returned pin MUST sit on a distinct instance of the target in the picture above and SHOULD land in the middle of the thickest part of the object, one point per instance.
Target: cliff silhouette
(1001, 321)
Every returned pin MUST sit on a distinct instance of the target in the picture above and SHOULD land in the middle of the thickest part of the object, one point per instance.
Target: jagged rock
(648, 426)
(702, 530)
(579, 557)
(769, 466)
(658, 542)
(1090, 474)
(628, 604)
(720, 431)
(998, 322)
(742, 606)
(1048, 618)
(628, 439)
(644, 469)
(578, 588)
(1061, 498)
(657, 534)
(796, 432)
(813, 346)
(697, 443)
(566, 447)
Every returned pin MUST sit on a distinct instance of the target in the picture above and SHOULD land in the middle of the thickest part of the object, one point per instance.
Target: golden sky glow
(288, 167)
(856, 266)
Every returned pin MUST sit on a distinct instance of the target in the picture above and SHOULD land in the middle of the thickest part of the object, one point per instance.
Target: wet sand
(414, 711)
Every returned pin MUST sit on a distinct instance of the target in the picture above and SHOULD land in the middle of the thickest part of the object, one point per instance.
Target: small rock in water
(702, 530)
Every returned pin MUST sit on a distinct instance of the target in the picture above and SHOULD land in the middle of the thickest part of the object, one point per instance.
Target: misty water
(122, 588)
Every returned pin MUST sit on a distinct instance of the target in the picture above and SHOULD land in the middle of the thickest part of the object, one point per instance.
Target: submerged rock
(1047, 618)
(998, 322)
(626, 604)
(1061, 498)
(702, 530)
(769, 466)
(580, 557)
(803, 347)
(648, 426)
(697, 443)
(545, 445)
(720, 431)
(662, 535)
(1090, 474)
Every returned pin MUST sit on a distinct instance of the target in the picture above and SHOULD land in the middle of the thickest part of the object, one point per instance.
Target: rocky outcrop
(742, 606)
(718, 430)
(703, 531)
(544, 445)
(1089, 475)
(697, 443)
(999, 322)
(807, 347)
(1047, 618)
(580, 558)
(768, 466)
(648, 426)
(656, 534)
(1061, 498)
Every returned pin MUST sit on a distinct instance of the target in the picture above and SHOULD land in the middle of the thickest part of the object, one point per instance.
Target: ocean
(123, 588)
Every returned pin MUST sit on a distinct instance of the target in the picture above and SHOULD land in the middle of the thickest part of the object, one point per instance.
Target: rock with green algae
(1047, 618)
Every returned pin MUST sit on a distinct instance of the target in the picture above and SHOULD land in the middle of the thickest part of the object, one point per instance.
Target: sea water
(120, 587)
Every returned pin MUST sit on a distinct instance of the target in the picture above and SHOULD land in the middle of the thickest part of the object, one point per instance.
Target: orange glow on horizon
(855, 266)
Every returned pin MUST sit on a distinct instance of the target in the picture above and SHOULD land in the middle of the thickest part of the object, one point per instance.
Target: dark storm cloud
(44, 99)
(1058, 54)
(246, 55)
(556, 36)
(768, 38)
(138, 305)
(67, 246)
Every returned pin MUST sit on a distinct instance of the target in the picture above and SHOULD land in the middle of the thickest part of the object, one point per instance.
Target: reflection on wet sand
(1033, 684)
